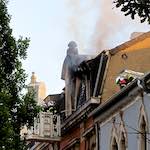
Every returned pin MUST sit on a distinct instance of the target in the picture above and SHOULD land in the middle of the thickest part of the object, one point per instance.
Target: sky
(94, 24)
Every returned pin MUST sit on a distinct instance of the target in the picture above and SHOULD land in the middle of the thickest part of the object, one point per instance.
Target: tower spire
(33, 78)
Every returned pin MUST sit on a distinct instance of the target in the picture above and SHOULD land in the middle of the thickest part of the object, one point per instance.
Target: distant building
(45, 134)
(38, 88)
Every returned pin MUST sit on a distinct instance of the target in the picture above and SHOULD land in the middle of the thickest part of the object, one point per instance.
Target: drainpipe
(97, 129)
(98, 74)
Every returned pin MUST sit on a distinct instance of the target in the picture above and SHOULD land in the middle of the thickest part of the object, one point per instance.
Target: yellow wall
(138, 60)
(140, 45)
(42, 91)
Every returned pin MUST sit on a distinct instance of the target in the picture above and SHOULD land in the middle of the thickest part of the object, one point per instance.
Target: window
(75, 147)
(114, 137)
(122, 143)
(143, 135)
(114, 145)
(91, 141)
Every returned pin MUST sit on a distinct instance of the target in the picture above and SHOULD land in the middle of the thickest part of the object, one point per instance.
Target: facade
(76, 128)
(132, 55)
(85, 92)
(123, 121)
(108, 114)
(45, 134)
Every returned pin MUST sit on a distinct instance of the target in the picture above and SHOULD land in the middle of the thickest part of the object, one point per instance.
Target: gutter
(114, 99)
(80, 115)
(122, 94)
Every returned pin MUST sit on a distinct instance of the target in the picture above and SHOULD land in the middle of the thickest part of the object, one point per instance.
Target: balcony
(46, 128)
(126, 77)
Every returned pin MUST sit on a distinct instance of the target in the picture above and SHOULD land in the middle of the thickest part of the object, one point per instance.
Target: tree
(16, 109)
(135, 7)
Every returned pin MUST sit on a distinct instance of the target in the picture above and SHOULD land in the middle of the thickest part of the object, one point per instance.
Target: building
(107, 114)
(75, 128)
(38, 88)
(45, 134)
(39, 91)
(105, 102)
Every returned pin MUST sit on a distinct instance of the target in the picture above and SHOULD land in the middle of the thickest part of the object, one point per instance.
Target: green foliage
(16, 109)
(140, 8)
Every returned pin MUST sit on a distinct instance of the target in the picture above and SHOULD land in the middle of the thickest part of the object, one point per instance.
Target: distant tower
(38, 87)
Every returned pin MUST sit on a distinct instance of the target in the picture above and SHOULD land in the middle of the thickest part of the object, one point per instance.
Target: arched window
(114, 137)
(122, 143)
(114, 145)
(143, 134)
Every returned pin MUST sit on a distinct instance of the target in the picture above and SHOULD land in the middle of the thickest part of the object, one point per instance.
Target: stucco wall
(130, 118)
(138, 59)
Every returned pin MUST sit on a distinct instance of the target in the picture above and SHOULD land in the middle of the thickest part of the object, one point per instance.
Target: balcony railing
(46, 127)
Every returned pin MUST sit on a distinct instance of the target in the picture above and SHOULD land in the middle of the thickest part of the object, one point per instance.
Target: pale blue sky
(51, 24)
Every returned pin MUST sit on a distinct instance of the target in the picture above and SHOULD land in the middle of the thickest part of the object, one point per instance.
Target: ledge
(71, 143)
(43, 139)
(88, 131)
(79, 115)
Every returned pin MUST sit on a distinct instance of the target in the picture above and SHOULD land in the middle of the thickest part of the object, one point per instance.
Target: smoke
(97, 24)
(78, 21)
(74, 21)
(106, 22)
(109, 22)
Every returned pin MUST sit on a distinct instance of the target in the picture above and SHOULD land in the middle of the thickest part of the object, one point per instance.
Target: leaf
(125, 8)
(132, 15)
(16, 109)
(143, 20)
(139, 7)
